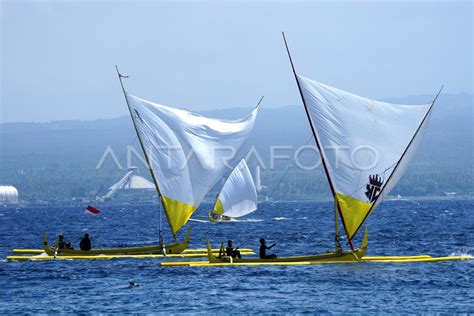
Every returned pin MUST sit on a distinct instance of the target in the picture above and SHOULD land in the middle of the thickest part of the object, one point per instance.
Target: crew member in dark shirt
(85, 243)
(222, 251)
(61, 244)
(263, 250)
(231, 251)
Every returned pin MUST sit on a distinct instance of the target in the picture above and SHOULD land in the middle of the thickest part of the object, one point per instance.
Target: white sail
(189, 153)
(366, 145)
(238, 196)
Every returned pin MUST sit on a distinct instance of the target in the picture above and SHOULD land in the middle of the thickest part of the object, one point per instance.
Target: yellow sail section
(218, 208)
(353, 212)
(177, 212)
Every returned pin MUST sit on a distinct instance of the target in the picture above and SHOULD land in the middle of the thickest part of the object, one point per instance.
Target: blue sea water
(436, 227)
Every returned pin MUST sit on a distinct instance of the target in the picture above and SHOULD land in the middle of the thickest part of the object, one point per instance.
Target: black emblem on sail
(373, 188)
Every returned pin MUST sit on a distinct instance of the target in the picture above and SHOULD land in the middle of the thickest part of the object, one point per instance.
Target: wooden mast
(318, 144)
(120, 76)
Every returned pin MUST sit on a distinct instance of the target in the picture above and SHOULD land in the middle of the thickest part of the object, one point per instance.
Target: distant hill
(57, 160)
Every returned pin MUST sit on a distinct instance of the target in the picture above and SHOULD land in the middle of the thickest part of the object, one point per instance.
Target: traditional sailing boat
(238, 196)
(364, 145)
(186, 155)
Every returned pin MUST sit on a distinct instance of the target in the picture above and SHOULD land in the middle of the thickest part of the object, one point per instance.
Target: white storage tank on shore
(8, 194)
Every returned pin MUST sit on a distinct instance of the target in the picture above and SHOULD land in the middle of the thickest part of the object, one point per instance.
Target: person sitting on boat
(263, 250)
(231, 251)
(60, 244)
(222, 250)
(85, 243)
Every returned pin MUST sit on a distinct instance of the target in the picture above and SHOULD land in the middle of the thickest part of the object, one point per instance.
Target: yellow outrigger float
(40, 255)
(200, 251)
(376, 259)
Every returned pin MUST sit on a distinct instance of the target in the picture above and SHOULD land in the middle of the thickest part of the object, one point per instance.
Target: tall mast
(336, 227)
(318, 144)
(120, 76)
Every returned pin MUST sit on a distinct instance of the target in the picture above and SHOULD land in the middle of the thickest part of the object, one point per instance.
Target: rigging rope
(286, 171)
(94, 197)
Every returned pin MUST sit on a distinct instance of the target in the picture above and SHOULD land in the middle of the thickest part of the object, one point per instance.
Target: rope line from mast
(109, 176)
(290, 165)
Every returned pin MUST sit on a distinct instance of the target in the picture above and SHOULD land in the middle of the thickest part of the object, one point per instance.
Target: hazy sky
(57, 58)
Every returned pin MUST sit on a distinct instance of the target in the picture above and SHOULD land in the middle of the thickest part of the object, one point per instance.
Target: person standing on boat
(231, 251)
(263, 250)
(85, 243)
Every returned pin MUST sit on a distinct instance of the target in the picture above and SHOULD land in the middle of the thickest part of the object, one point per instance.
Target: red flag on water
(92, 210)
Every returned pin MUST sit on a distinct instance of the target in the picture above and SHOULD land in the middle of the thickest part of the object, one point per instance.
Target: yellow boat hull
(342, 256)
(175, 248)
(221, 219)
